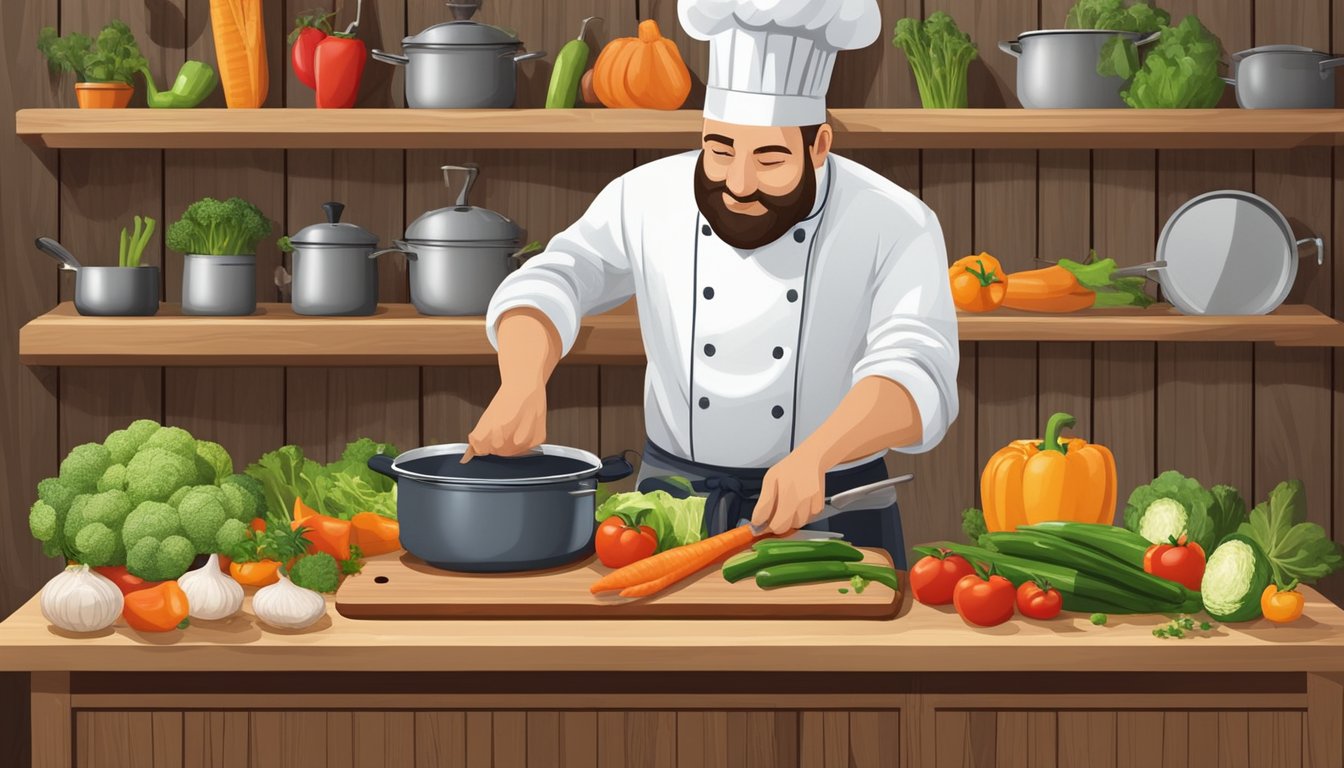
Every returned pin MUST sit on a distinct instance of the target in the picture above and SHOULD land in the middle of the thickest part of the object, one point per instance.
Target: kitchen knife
(839, 503)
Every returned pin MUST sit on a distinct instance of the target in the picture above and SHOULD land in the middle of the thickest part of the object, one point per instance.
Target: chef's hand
(792, 493)
(513, 423)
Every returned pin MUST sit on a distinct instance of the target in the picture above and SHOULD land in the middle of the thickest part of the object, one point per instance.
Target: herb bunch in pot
(218, 240)
(103, 68)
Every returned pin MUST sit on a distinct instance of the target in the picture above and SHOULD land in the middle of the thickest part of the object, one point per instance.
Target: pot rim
(115, 85)
(1109, 32)
(502, 244)
(408, 47)
(546, 449)
(1292, 50)
(113, 266)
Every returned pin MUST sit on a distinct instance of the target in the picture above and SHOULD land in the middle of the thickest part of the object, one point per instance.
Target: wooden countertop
(921, 638)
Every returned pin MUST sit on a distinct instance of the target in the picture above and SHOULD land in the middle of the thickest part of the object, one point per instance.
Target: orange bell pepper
(1282, 605)
(326, 534)
(157, 609)
(259, 574)
(976, 283)
(375, 534)
(1032, 481)
(302, 511)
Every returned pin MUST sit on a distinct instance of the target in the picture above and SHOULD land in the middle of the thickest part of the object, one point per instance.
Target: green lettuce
(1228, 511)
(677, 522)
(1170, 506)
(1113, 14)
(1180, 72)
(1296, 549)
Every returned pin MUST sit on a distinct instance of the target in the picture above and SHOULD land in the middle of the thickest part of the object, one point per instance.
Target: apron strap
(726, 497)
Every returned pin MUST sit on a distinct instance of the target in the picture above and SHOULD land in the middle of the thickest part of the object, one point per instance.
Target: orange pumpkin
(642, 72)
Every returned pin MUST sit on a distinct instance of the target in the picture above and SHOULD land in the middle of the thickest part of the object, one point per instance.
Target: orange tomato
(976, 283)
(157, 609)
(259, 574)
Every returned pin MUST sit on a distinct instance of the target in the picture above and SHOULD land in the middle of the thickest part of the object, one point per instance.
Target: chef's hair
(810, 134)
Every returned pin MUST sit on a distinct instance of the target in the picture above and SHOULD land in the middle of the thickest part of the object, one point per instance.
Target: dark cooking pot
(498, 513)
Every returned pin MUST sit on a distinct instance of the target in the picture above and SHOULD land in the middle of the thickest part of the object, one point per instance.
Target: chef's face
(754, 183)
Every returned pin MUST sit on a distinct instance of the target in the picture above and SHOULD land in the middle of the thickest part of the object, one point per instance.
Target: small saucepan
(108, 291)
(498, 513)
(1284, 77)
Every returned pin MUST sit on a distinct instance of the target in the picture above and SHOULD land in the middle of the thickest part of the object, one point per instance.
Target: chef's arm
(877, 414)
(529, 349)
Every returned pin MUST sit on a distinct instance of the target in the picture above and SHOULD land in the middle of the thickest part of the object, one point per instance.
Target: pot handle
(382, 464)
(471, 169)
(394, 59)
(1330, 64)
(58, 252)
(1011, 47)
(283, 280)
(1149, 39)
(1229, 80)
(1319, 242)
(386, 251)
(1141, 270)
(615, 468)
(402, 247)
(518, 58)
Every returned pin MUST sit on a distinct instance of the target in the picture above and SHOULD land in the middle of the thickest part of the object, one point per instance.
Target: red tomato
(303, 51)
(621, 540)
(935, 577)
(339, 69)
(1038, 600)
(124, 579)
(984, 602)
(1180, 561)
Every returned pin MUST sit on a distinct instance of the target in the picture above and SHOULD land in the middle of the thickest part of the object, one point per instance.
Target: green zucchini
(1120, 543)
(790, 574)
(1045, 547)
(568, 71)
(1234, 577)
(747, 563)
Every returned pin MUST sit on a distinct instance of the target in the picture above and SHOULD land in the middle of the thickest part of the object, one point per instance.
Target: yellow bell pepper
(1032, 481)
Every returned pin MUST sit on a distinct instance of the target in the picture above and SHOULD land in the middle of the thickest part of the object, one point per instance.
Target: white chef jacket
(750, 351)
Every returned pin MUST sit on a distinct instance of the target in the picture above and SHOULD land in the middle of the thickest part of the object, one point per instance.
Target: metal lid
(333, 232)
(543, 465)
(463, 222)
(1227, 252)
(453, 33)
(1042, 32)
(1277, 49)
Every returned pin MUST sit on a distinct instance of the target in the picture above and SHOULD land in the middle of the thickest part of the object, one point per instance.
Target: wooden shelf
(397, 335)
(651, 129)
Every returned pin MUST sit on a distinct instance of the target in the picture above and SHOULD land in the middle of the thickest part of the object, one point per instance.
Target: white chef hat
(770, 61)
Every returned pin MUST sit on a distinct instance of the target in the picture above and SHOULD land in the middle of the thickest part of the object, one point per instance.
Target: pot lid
(544, 464)
(462, 222)
(462, 30)
(333, 232)
(1277, 49)
(1227, 252)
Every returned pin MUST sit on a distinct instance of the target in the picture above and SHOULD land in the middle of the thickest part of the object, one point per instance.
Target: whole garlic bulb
(210, 593)
(287, 606)
(81, 600)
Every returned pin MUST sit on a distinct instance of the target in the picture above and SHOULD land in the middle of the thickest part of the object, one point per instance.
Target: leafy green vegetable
(318, 572)
(113, 58)
(1171, 505)
(940, 54)
(1112, 14)
(1296, 549)
(1234, 577)
(1179, 72)
(1228, 511)
(1177, 627)
(133, 245)
(340, 489)
(212, 227)
(677, 522)
(1098, 277)
(973, 524)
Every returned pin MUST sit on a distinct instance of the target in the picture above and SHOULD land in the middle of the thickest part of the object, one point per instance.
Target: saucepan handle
(518, 58)
(1141, 270)
(403, 248)
(395, 59)
(382, 464)
(1229, 80)
(1319, 243)
(386, 251)
(615, 468)
(1149, 39)
(1329, 64)
(1011, 47)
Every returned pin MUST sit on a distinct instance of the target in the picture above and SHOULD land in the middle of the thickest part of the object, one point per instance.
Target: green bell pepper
(195, 81)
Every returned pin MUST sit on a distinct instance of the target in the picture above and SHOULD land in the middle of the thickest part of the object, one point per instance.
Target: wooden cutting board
(404, 587)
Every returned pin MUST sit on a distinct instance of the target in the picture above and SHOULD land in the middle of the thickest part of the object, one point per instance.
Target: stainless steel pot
(461, 64)
(459, 255)
(108, 291)
(497, 513)
(219, 285)
(1057, 68)
(1226, 252)
(1284, 77)
(335, 267)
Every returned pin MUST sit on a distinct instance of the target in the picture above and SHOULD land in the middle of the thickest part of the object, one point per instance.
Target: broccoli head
(174, 440)
(176, 498)
(96, 544)
(154, 473)
(202, 512)
(239, 504)
(231, 536)
(155, 560)
(212, 462)
(151, 519)
(318, 572)
(48, 527)
(85, 464)
(251, 487)
(108, 509)
(57, 494)
(114, 479)
(213, 227)
(123, 443)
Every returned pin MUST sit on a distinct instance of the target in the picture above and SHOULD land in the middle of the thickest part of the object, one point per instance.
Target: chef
(794, 305)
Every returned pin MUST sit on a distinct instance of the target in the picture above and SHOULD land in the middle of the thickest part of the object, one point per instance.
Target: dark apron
(731, 495)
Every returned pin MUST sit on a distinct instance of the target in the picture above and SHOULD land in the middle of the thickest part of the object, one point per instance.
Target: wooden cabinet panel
(214, 739)
(128, 739)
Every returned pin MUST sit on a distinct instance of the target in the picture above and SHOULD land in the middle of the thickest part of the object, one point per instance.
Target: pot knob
(334, 211)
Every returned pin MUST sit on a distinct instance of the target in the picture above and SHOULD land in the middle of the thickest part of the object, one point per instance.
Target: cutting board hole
(379, 579)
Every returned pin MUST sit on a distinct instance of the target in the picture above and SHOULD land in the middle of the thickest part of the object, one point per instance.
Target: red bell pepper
(326, 534)
(310, 30)
(126, 581)
(339, 69)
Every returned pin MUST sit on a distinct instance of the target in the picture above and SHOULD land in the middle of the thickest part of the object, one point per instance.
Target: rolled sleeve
(912, 334)
(584, 270)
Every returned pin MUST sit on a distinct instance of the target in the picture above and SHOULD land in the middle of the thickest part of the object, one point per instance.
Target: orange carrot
(375, 534)
(240, 47)
(326, 534)
(667, 568)
(1053, 289)
(302, 511)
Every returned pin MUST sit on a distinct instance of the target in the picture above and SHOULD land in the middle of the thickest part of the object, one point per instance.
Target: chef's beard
(747, 232)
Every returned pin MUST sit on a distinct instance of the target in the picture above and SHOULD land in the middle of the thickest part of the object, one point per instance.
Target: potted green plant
(218, 240)
(103, 68)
